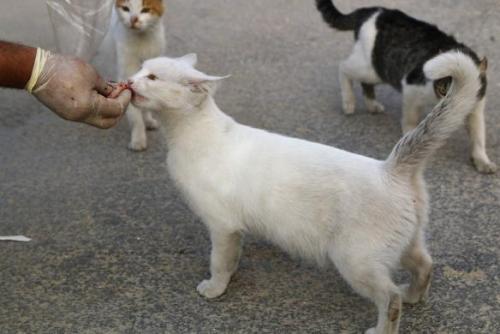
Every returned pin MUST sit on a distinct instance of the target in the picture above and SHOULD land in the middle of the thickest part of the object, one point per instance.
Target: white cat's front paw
(138, 145)
(211, 289)
(152, 124)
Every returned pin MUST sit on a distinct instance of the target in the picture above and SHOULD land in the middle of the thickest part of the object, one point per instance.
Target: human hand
(75, 91)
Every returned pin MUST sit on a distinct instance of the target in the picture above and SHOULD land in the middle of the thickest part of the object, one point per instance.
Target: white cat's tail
(413, 150)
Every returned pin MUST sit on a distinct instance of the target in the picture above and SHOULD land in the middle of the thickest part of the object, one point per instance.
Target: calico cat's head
(165, 84)
(139, 15)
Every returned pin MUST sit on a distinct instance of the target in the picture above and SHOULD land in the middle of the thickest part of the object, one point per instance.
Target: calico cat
(392, 47)
(331, 206)
(139, 36)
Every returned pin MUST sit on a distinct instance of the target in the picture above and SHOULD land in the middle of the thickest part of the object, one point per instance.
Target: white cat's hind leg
(371, 279)
(416, 257)
(138, 139)
(477, 133)
(224, 258)
(418, 261)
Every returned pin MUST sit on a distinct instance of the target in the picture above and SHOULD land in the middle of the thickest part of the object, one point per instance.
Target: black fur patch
(484, 85)
(404, 44)
(368, 90)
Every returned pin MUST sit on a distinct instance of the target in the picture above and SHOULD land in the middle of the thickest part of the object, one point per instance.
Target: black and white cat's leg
(372, 105)
(413, 97)
(346, 86)
(151, 123)
(357, 67)
(224, 258)
(477, 133)
(371, 279)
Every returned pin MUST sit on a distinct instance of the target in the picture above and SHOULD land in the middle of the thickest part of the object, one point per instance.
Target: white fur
(415, 98)
(133, 47)
(358, 66)
(315, 201)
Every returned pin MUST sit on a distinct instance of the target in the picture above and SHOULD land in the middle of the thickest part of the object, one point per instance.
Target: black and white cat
(392, 47)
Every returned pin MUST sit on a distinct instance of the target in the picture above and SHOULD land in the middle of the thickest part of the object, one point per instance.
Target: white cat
(140, 36)
(364, 215)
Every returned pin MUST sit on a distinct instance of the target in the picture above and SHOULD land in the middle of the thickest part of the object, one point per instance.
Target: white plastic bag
(80, 25)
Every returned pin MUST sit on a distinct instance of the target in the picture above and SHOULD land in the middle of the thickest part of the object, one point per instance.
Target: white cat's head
(139, 15)
(165, 84)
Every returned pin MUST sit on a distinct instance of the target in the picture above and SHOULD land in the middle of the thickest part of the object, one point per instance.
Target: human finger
(110, 108)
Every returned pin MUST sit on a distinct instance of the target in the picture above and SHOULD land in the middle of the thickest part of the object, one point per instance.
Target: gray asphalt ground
(116, 250)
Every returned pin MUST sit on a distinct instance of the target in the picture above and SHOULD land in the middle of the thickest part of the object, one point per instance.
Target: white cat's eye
(145, 10)
(152, 77)
(125, 9)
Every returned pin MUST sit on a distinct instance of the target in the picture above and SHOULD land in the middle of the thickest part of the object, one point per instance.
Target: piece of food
(118, 88)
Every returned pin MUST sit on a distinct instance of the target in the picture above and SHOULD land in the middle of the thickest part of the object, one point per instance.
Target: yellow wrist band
(40, 59)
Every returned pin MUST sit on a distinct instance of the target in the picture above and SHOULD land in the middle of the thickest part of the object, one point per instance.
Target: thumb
(102, 86)
(112, 108)
(124, 99)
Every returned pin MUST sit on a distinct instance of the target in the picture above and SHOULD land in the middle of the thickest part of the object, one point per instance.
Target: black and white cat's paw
(484, 165)
(349, 106)
(211, 288)
(374, 107)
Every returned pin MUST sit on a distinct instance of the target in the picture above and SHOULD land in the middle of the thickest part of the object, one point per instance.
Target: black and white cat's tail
(340, 21)
(413, 150)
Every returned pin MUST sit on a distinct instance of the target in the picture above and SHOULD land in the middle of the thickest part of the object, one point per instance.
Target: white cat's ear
(203, 78)
(190, 58)
(200, 82)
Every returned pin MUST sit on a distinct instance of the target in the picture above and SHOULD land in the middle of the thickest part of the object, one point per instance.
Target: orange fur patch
(119, 3)
(157, 7)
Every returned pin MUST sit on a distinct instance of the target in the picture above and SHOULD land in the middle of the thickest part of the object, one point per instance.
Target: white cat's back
(291, 191)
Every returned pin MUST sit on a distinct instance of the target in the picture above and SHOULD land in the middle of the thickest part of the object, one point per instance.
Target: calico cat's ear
(190, 58)
(483, 65)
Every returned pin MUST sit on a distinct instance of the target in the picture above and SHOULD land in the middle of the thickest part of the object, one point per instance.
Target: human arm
(68, 86)
(16, 63)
